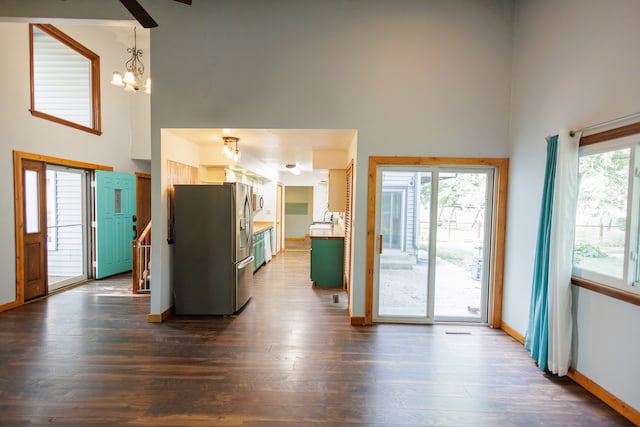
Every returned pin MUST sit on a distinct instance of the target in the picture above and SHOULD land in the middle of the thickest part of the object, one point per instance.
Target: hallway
(87, 356)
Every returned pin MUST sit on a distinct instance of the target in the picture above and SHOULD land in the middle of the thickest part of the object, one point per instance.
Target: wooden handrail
(144, 234)
(139, 247)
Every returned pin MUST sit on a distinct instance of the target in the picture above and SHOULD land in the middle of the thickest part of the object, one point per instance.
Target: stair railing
(141, 274)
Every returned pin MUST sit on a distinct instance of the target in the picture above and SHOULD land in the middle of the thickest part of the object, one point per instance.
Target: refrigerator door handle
(242, 264)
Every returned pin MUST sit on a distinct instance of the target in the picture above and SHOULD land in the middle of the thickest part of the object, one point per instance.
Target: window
(606, 239)
(65, 79)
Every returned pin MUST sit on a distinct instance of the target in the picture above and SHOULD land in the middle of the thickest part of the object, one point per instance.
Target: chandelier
(231, 147)
(133, 77)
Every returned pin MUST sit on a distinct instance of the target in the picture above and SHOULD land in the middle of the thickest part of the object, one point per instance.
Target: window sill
(36, 113)
(630, 297)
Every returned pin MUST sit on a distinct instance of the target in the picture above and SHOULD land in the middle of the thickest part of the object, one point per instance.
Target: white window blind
(61, 80)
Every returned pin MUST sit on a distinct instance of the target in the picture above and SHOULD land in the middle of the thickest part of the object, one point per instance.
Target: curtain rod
(608, 122)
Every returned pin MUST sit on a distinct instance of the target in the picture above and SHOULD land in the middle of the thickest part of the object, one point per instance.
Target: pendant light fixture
(231, 147)
(134, 74)
(293, 168)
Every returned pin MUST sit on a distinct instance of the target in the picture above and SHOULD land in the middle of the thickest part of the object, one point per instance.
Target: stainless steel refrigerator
(213, 248)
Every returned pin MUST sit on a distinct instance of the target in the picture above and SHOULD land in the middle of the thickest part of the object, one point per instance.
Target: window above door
(65, 79)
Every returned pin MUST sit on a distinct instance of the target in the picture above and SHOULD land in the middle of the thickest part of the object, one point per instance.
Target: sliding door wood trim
(497, 262)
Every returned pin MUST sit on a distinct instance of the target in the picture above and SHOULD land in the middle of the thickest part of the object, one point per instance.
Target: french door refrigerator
(213, 248)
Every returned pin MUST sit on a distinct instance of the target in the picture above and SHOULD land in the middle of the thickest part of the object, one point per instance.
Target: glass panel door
(463, 230)
(403, 268)
(67, 236)
(433, 228)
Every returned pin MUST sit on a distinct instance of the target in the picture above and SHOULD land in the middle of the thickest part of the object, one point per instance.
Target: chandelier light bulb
(128, 78)
(117, 79)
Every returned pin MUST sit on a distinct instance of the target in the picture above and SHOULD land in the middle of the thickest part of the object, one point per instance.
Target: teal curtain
(537, 335)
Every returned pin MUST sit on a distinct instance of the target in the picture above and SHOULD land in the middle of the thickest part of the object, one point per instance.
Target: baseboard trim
(616, 404)
(159, 318)
(358, 321)
(512, 333)
(592, 387)
(9, 306)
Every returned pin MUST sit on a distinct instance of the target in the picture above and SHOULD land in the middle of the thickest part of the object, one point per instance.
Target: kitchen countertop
(335, 232)
(260, 226)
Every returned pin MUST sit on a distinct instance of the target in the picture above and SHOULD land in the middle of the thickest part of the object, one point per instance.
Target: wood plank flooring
(87, 357)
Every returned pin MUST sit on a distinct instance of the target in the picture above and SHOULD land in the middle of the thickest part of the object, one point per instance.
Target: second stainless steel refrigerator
(213, 248)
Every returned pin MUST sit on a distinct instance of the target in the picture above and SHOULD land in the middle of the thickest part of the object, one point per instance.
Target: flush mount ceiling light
(133, 77)
(293, 168)
(231, 149)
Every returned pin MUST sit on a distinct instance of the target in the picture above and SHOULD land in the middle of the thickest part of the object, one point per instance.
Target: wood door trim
(60, 161)
(502, 177)
(18, 209)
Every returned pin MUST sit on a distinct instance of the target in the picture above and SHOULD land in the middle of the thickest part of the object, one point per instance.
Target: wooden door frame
(501, 166)
(140, 176)
(18, 206)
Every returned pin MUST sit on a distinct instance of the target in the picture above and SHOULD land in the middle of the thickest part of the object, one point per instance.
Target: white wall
(428, 78)
(178, 150)
(320, 200)
(20, 131)
(296, 224)
(268, 211)
(574, 65)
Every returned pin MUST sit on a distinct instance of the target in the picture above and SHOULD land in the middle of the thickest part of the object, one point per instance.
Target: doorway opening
(435, 244)
(434, 223)
(298, 216)
(66, 232)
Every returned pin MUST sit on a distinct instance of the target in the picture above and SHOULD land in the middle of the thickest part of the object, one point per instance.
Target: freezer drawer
(244, 282)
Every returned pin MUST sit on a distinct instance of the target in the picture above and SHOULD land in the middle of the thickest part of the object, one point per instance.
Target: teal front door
(115, 211)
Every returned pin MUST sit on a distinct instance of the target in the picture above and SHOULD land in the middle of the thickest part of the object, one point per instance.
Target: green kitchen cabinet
(327, 262)
(258, 250)
(259, 245)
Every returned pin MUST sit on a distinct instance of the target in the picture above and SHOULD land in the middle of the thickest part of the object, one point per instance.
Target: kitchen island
(327, 255)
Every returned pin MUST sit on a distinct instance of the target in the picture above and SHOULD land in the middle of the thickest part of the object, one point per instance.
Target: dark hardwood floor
(88, 357)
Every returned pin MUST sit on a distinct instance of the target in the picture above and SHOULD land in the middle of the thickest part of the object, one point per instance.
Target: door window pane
(462, 199)
(392, 219)
(65, 226)
(32, 201)
(404, 226)
(117, 201)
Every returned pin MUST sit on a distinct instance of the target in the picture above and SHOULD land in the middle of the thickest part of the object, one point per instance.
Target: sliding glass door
(433, 225)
